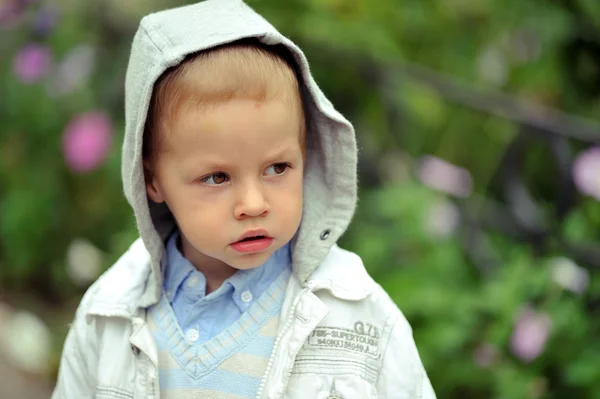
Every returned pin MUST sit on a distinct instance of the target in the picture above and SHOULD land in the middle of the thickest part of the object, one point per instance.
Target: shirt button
(192, 335)
(246, 296)
(192, 281)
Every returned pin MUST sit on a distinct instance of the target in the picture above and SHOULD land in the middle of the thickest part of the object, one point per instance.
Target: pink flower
(586, 172)
(11, 12)
(32, 63)
(445, 177)
(530, 334)
(86, 141)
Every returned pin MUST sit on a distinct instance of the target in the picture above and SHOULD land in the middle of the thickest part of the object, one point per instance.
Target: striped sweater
(229, 366)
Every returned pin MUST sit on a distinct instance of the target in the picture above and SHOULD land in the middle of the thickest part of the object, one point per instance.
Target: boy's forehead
(235, 121)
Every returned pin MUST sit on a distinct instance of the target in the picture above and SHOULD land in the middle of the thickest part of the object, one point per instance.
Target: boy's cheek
(295, 212)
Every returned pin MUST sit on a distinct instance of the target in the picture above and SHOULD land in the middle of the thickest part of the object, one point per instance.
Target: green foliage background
(359, 51)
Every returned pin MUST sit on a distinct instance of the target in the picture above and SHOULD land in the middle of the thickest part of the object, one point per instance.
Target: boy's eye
(215, 179)
(277, 169)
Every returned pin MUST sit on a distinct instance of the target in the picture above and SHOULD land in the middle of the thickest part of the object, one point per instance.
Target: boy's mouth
(254, 234)
(251, 238)
(256, 240)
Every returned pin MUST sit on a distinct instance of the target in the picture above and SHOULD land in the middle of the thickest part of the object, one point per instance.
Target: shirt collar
(179, 269)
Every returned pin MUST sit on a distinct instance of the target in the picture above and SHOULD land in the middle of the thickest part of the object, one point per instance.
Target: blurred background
(478, 126)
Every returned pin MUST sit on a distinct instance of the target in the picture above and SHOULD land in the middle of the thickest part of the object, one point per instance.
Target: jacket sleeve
(402, 374)
(74, 377)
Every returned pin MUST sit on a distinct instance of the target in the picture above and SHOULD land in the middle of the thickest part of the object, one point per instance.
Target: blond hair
(244, 69)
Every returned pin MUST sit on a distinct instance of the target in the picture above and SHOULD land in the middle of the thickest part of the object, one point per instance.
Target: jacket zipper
(288, 322)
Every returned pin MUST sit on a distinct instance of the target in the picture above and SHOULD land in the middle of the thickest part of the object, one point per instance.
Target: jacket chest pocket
(128, 376)
(322, 378)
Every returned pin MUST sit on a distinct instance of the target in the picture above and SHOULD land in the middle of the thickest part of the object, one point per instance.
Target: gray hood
(162, 41)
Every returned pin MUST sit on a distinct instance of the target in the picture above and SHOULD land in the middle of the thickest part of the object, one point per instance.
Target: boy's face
(227, 170)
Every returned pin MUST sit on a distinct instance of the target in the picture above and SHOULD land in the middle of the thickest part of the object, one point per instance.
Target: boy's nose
(252, 203)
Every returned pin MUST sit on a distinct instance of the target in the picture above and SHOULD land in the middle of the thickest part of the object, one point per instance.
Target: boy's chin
(250, 261)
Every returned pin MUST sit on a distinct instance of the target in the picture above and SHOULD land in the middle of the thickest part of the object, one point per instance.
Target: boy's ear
(152, 187)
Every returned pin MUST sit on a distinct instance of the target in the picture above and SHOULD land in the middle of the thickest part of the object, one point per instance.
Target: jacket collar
(117, 293)
(343, 274)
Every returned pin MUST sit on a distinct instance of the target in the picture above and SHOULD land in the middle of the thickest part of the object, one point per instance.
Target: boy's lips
(253, 233)
(247, 243)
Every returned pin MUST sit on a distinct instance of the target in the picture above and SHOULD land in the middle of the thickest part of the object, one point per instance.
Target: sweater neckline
(199, 359)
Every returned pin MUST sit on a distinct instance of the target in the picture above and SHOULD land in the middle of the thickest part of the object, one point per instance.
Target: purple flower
(530, 334)
(86, 141)
(32, 63)
(586, 172)
(445, 177)
(45, 21)
(73, 71)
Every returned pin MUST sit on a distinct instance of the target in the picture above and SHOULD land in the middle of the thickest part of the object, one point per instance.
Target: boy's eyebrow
(215, 163)
(281, 152)
(212, 163)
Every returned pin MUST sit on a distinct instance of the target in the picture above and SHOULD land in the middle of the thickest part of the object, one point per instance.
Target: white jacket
(339, 331)
(337, 335)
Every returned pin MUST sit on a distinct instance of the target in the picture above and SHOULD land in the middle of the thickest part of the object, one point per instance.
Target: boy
(242, 176)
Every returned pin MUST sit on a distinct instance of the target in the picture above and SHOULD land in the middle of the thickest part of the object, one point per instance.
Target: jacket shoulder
(343, 273)
(117, 291)
(354, 291)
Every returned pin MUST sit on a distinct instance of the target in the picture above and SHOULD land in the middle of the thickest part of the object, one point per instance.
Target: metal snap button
(325, 234)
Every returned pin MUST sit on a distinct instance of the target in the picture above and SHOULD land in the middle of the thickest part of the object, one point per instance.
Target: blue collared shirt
(200, 316)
